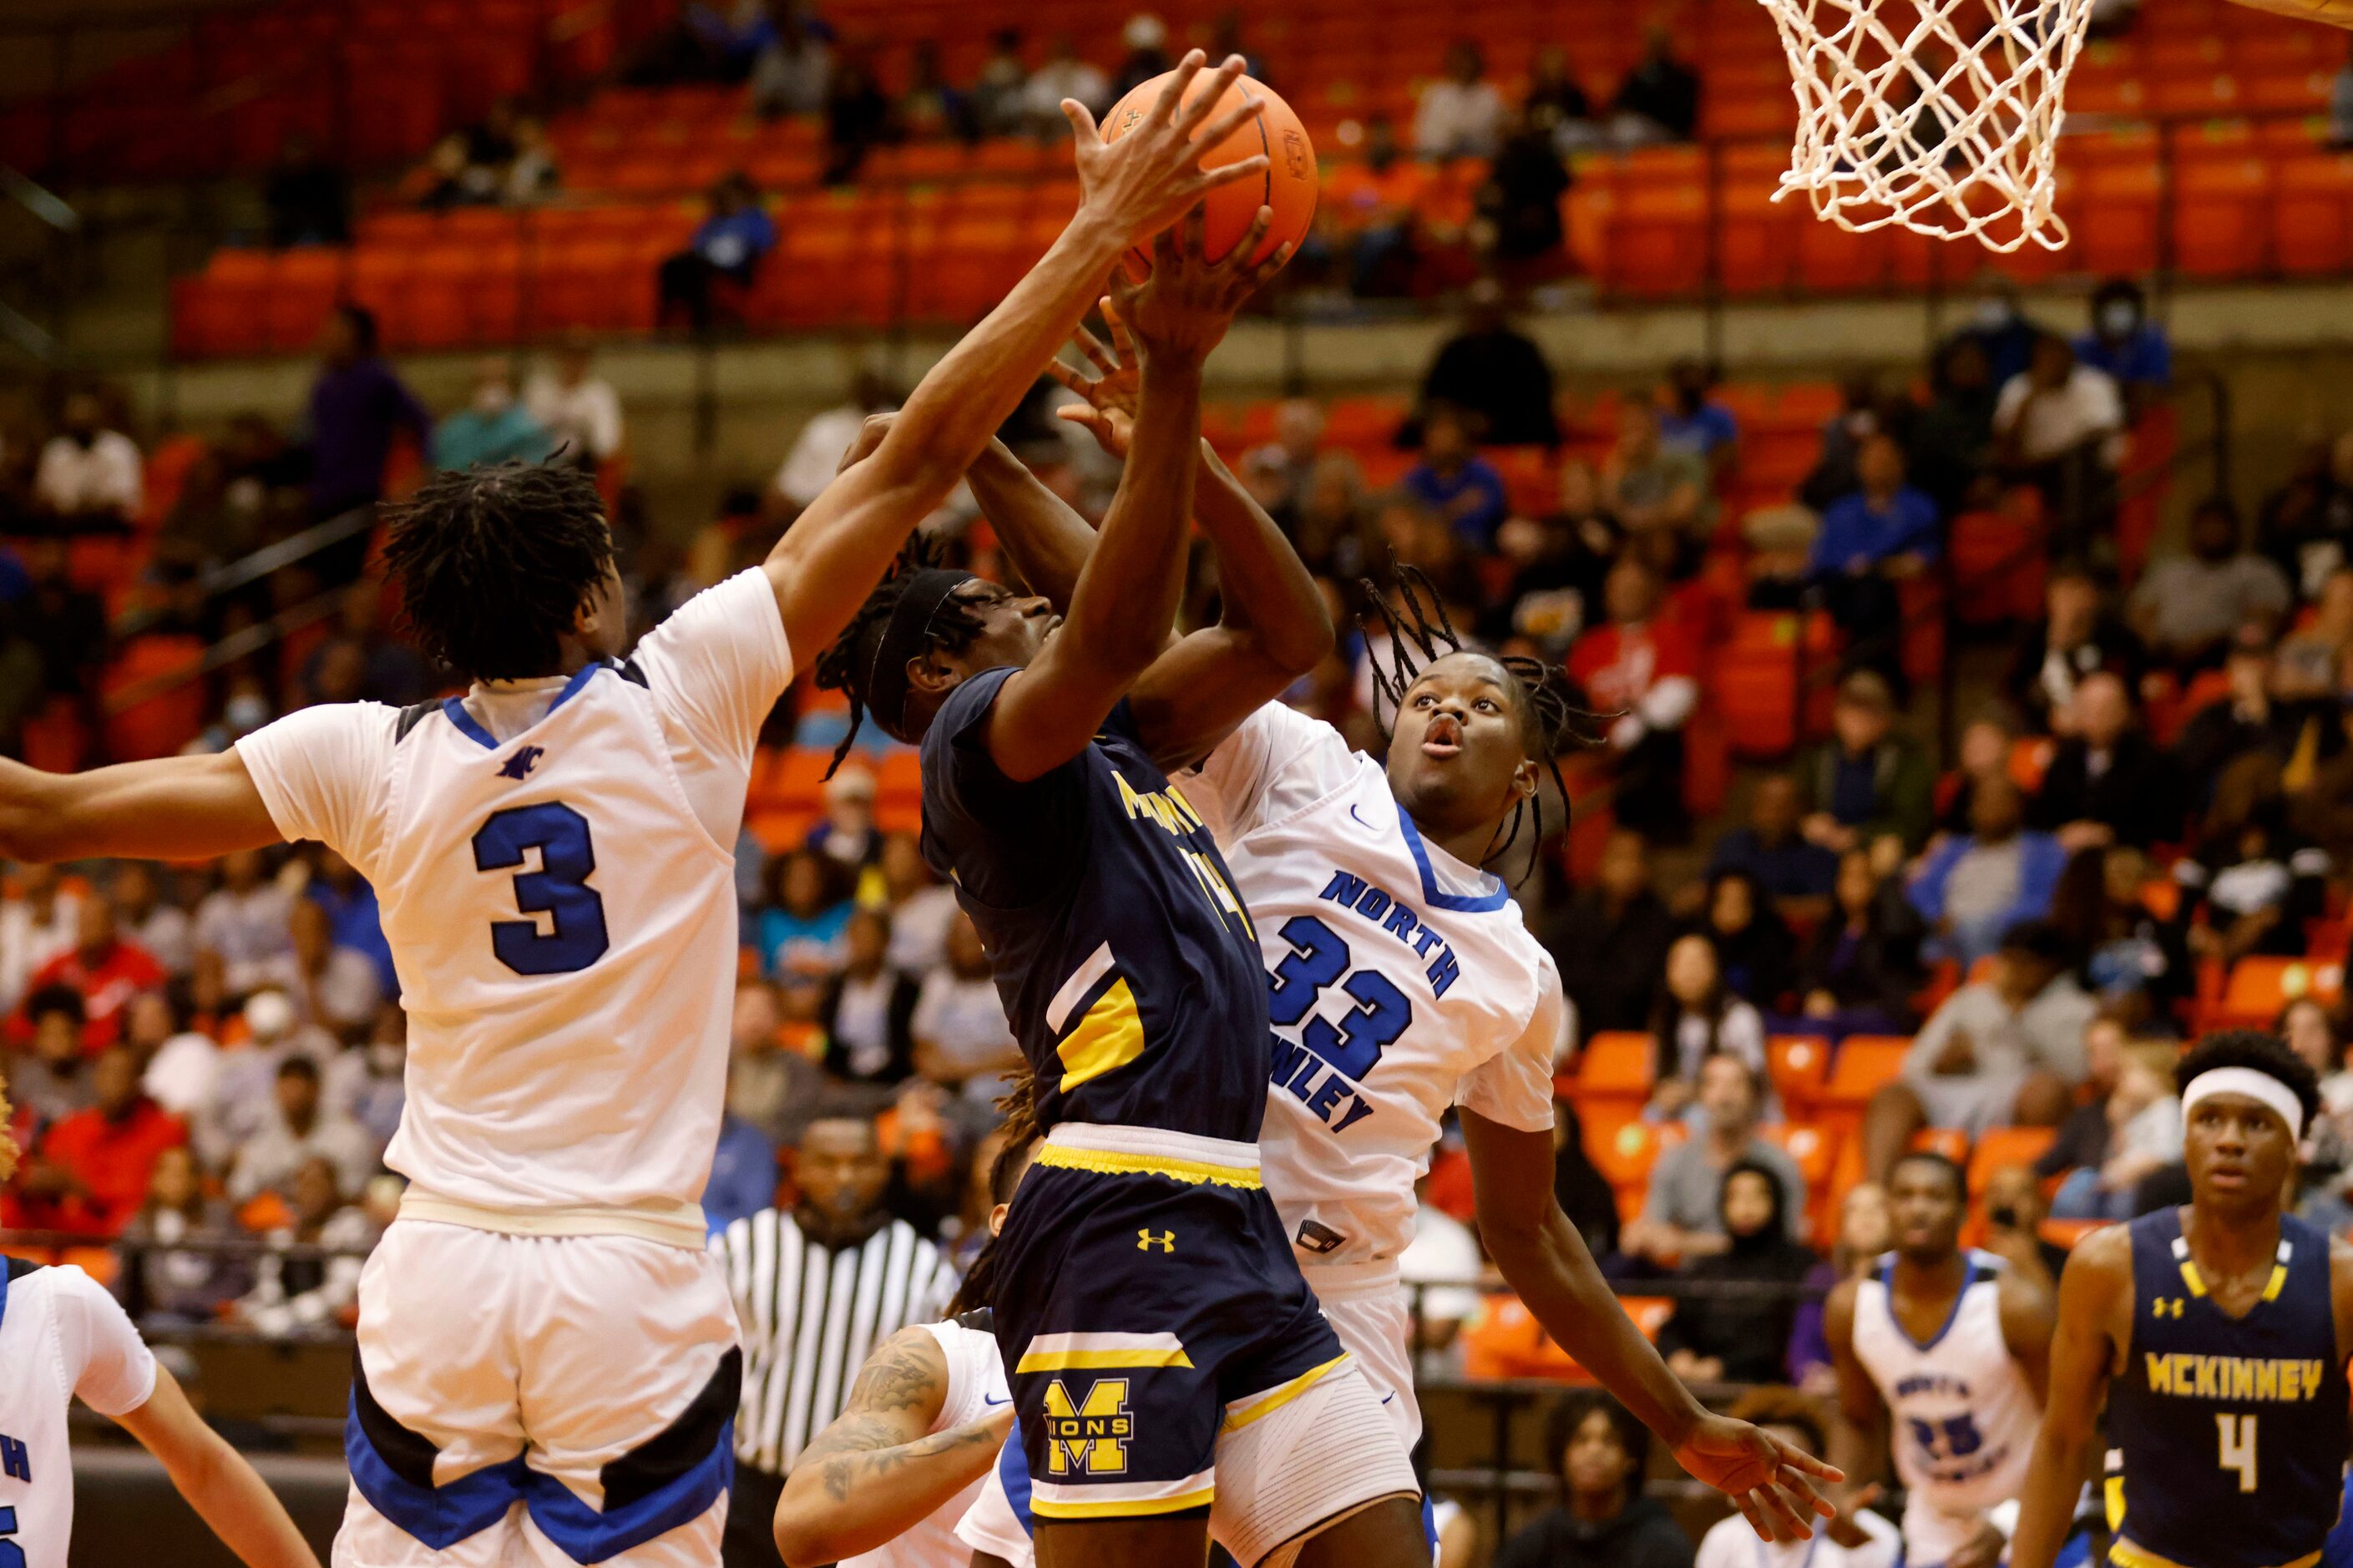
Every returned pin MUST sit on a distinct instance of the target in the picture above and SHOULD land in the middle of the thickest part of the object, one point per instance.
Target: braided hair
(1421, 634)
(847, 664)
(1018, 1105)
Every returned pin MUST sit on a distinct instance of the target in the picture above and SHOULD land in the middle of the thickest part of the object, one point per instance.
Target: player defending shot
(1949, 1348)
(2216, 1333)
(1402, 979)
(63, 1337)
(548, 1364)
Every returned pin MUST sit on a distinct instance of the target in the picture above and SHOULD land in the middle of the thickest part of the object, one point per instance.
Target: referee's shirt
(810, 1316)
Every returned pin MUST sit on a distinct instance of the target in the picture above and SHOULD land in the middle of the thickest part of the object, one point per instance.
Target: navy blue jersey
(1129, 969)
(2228, 1435)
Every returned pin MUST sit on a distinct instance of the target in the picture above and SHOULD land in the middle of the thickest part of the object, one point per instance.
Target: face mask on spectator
(2118, 318)
(245, 712)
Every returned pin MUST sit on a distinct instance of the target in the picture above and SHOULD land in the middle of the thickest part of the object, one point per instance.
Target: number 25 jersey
(555, 861)
(1400, 981)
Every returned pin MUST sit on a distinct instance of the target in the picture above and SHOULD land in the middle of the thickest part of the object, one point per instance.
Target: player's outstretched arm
(835, 552)
(873, 1473)
(2095, 1291)
(1545, 1259)
(173, 808)
(216, 1479)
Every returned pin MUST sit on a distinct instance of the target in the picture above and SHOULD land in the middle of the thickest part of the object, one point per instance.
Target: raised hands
(1144, 182)
(1109, 412)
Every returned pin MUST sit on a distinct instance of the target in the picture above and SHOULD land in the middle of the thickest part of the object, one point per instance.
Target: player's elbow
(802, 1539)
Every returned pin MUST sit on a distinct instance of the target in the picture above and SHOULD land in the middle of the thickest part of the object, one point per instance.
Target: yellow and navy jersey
(1128, 967)
(2229, 1433)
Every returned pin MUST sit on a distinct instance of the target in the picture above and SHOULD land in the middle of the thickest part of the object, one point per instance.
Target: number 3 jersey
(1400, 981)
(555, 861)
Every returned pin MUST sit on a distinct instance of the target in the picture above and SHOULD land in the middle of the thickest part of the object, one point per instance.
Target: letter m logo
(14, 1462)
(1089, 1438)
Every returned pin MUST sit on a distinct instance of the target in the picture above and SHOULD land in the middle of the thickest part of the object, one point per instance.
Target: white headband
(2255, 1084)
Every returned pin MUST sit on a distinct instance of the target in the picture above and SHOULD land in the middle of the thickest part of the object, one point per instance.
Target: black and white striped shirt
(811, 1315)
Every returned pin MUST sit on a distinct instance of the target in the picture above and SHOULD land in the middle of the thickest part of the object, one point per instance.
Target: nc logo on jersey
(1146, 1239)
(2167, 1306)
(518, 766)
(1089, 1438)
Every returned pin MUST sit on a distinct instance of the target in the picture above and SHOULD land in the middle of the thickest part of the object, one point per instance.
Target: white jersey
(1401, 982)
(61, 1336)
(1962, 1415)
(555, 865)
(975, 1382)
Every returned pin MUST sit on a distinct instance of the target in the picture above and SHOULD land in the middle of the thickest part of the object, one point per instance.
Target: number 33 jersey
(1400, 981)
(555, 861)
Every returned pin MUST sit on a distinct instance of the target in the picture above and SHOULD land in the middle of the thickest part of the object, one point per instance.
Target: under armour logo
(1145, 1241)
(519, 765)
(2167, 1306)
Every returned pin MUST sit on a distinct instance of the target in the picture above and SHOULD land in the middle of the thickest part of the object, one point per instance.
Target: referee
(815, 1289)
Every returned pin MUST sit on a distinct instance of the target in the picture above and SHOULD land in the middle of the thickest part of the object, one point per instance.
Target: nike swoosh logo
(1391, 1394)
(987, 1400)
(1352, 812)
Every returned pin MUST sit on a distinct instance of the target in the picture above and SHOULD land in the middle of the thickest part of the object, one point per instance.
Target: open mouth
(1442, 738)
(1053, 625)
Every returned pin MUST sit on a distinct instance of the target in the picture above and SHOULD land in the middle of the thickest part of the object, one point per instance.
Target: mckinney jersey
(1127, 966)
(1962, 1414)
(1400, 981)
(61, 1335)
(2229, 1433)
(555, 865)
(976, 1384)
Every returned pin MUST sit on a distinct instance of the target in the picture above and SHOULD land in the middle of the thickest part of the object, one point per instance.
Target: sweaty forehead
(1464, 668)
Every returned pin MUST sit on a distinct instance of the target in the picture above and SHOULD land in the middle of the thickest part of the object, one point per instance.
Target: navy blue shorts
(1147, 1297)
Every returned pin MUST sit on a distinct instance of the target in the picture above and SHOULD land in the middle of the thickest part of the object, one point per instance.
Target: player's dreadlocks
(494, 563)
(867, 662)
(1421, 634)
(1018, 1106)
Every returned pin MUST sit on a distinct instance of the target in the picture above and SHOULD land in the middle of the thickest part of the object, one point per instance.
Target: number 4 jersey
(555, 864)
(1400, 981)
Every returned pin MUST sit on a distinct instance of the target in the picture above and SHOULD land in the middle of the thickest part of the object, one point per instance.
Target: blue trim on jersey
(441, 1516)
(588, 1536)
(1978, 1274)
(4, 1294)
(482, 737)
(1013, 1469)
(1460, 904)
(1429, 1515)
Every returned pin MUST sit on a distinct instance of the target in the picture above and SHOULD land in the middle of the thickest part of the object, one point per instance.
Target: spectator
(1367, 210)
(1696, 1017)
(1519, 205)
(792, 73)
(2306, 525)
(1653, 488)
(2001, 1051)
(1288, 462)
(2002, 329)
(159, 1283)
(819, 449)
(1612, 939)
(2107, 783)
(353, 920)
(769, 1084)
(1659, 100)
(1741, 1339)
(1558, 567)
(857, 119)
(1642, 672)
(37, 920)
(728, 244)
(2080, 1148)
(307, 197)
(1555, 103)
(493, 428)
(2145, 1136)
(801, 932)
(1494, 371)
(577, 409)
(1454, 481)
(1065, 75)
(1145, 38)
(928, 107)
(1863, 1233)
(1974, 886)
(246, 919)
(2313, 665)
(366, 1081)
(1952, 440)
(2243, 721)
(2128, 347)
(2014, 1215)
(88, 1174)
(183, 1071)
(1598, 1453)
(52, 1079)
(331, 986)
(2309, 1027)
(1772, 852)
(91, 476)
(921, 907)
(2059, 426)
(846, 835)
(2138, 961)
(961, 1037)
(2340, 106)
(294, 1294)
(1872, 541)
(163, 930)
(1860, 967)
(533, 175)
(1751, 945)
(743, 1172)
(1681, 1216)
(2188, 607)
(1869, 783)
(244, 1100)
(2254, 884)
(294, 1128)
(1001, 93)
(102, 969)
(358, 408)
(1697, 423)
(1460, 114)
(2076, 638)
(870, 1008)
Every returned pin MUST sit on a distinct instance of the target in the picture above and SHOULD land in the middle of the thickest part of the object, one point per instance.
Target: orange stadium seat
(1615, 1066)
(1862, 1065)
(1799, 1066)
(1813, 1149)
(2258, 987)
(1998, 1147)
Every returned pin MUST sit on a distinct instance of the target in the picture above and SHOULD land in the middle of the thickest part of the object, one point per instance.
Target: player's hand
(1982, 1550)
(1184, 309)
(1109, 414)
(1144, 182)
(1769, 1482)
(870, 436)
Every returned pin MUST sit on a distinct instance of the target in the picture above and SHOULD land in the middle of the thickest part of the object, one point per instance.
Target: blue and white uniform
(62, 1337)
(547, 1356)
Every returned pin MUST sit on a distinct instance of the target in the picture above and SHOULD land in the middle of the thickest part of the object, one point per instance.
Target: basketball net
(1937, 115)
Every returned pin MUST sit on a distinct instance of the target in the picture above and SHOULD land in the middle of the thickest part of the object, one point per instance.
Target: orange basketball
(1289, 186)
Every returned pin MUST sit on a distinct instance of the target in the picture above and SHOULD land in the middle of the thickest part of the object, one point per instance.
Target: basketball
(1290, 184)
